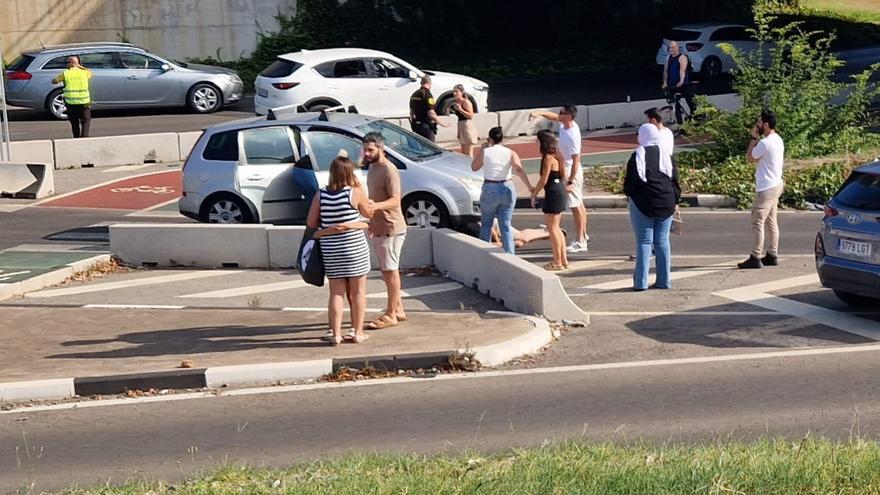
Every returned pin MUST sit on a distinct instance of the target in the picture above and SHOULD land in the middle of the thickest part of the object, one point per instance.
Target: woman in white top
(498, 196)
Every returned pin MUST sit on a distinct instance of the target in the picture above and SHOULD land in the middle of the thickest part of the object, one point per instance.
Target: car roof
(80, 46)
(313, 57)
(699, 26)
(338, 118)
(871, 168)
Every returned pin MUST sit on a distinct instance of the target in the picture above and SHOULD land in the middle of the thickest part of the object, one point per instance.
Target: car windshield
(682, 35)
(861, 190)
(408, 144)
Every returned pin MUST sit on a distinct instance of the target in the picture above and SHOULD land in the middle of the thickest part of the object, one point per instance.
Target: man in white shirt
(570, 148)
(768, 153)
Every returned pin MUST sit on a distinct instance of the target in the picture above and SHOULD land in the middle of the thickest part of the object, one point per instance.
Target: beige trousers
(764, 210)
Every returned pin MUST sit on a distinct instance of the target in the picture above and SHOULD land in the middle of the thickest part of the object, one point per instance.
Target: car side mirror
(165, 67)
(413, 76)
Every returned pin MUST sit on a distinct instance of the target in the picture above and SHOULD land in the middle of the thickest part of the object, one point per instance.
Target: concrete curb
(49, 279)
(267, 373)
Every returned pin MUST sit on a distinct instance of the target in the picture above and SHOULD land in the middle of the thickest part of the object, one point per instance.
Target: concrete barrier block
(40, 151)
(516, 122)
(191, 245)
(519, 285)
(117, 150)
(27, 180)
(185, 143)
(620, 114)
(284, 245)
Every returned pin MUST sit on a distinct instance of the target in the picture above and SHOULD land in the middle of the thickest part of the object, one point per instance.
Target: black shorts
(425, 130)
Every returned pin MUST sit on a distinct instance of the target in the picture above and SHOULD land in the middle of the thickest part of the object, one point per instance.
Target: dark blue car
(848, 243)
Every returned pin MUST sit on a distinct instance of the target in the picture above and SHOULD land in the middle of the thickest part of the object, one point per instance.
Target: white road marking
(7, 276)
(12, 208)
(128, 168)
(150, 212)
(758, 295)
(219, 393)
(421, 291)
(139, 282)
(55, 248)
(131, 306)
(251, 289)
(676, 275)
(547, 254)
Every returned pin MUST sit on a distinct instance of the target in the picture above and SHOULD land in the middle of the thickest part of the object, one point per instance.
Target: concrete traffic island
(97, 352)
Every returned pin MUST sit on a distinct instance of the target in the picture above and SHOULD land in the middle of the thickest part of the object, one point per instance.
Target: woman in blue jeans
(651, 184)
(498, 196)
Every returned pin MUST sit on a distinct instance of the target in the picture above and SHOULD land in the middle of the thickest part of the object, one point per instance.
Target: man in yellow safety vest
(76, 96)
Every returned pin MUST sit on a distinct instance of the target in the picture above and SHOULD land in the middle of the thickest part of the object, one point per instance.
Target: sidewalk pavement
(110, 350)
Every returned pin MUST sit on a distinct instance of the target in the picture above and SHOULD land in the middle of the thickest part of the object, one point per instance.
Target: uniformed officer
(422, 117)
(76, 96)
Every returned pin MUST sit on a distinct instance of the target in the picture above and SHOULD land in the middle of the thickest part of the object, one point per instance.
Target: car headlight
(471, 183)
(233, 77)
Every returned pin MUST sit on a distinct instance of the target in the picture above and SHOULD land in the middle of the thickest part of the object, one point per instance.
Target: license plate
(262, 92)
(855, 248)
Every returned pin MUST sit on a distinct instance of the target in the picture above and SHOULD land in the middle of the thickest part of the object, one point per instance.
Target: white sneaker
(576, 247)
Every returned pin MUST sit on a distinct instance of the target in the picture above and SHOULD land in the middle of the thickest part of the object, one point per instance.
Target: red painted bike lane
(134, 193)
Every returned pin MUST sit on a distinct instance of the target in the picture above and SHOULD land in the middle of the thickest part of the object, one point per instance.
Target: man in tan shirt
(387, 227)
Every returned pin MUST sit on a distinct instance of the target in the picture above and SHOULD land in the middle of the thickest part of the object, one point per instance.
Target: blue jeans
(497, 201)
(651, 231)
(307, 182)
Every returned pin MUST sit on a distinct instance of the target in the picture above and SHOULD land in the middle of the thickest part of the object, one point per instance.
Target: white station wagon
(242, 171)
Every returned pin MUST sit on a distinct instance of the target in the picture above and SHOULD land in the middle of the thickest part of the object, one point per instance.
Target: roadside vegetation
(824, 122)
(765, 467)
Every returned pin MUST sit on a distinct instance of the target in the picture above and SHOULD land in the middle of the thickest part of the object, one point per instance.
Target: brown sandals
(382, 321)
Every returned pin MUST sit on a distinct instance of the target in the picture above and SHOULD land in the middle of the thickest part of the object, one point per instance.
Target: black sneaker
(752, 262)
(770, 260)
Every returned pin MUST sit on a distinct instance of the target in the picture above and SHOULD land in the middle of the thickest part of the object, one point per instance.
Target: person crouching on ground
(651, 183)
(337, 209)
(498, 196)
(555, 198)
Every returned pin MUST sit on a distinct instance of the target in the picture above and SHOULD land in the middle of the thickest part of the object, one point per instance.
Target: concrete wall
(171, 28)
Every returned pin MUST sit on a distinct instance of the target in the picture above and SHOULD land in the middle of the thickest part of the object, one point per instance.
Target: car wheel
(204, 98)
(711, 68)
(426, 211)
(227, 210)
(55, 104)
(445, 106)
(855, 299)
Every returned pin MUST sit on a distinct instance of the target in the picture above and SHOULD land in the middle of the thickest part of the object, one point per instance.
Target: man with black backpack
(677, 77)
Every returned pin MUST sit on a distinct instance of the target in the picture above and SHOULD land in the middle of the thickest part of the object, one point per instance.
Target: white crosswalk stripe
(422, 291)
(248, 290)
(676, 275)
(124, 284)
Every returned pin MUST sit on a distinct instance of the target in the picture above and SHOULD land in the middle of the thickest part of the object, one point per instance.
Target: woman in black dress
(553, 182)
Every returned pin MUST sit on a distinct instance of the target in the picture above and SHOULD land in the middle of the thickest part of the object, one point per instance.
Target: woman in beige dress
(464, 110)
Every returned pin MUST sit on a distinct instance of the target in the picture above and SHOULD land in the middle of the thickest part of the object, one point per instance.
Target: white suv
(376, 83)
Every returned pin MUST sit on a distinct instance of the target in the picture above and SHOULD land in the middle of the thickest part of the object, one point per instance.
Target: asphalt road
(825, 395)
(27, 124)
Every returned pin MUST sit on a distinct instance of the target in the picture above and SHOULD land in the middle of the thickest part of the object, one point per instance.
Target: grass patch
(857, 10)
(766, 467)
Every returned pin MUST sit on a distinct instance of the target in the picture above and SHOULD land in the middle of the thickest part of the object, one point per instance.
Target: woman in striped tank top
(337, 209)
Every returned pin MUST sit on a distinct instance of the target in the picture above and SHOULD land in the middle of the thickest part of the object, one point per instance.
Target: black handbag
(310, 260)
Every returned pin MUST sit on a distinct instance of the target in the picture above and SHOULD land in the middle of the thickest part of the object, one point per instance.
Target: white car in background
(700, 43)
(376, 83)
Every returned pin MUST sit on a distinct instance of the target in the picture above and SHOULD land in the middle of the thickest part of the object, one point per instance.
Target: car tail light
(820, 247)
(18, 75)
(286, 85)
(830, 212)
(693, 47)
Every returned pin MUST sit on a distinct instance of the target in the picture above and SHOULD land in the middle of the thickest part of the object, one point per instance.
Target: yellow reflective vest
(76, 87)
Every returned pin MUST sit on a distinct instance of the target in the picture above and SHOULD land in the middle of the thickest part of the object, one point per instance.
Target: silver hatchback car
(123, 76)
(242, 171)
